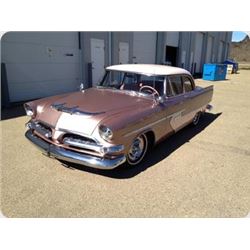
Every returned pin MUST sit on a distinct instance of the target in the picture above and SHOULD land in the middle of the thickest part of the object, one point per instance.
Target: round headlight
(105, 132)
(28, 110)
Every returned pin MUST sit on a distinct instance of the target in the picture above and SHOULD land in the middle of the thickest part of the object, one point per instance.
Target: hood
(83, 111)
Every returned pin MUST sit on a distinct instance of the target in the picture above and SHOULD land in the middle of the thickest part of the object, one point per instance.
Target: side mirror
(81, 87)
(161, 99)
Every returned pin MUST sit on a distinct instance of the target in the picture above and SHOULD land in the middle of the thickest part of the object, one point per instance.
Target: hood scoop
(73, 110)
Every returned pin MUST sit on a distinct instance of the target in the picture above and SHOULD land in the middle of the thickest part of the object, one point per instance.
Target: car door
(175, 107)
(191, 99)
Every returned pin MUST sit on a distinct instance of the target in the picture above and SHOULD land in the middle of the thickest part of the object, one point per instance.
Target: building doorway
(171, 55)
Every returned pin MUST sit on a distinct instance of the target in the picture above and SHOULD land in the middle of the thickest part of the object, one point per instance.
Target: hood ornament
(72, 110)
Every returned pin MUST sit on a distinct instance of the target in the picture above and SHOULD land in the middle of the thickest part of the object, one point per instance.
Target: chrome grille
(41, 129)
(82, 142)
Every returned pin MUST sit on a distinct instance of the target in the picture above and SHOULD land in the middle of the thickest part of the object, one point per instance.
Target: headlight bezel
(105, 132)
(29, 110)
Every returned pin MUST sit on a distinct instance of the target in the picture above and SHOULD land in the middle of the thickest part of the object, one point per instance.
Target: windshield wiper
(103, 87)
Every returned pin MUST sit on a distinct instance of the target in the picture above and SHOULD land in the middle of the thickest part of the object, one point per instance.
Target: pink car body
(103, 127)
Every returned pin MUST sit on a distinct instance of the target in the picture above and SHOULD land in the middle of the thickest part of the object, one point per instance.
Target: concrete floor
(199, 172)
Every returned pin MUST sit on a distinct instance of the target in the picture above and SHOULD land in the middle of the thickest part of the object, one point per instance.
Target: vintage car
(133, 107)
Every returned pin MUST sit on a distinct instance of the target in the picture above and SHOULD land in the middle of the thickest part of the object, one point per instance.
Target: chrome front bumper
(74, 157)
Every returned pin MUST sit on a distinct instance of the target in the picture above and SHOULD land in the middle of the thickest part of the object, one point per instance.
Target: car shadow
(157, 154)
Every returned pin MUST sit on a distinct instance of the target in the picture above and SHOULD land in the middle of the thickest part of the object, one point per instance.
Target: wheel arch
(151, 138)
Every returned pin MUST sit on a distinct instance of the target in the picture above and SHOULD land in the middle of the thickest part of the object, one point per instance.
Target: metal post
(90, 84)
(110, 48)
(5, 100)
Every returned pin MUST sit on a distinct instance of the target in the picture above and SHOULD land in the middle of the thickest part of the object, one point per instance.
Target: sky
(238, 36)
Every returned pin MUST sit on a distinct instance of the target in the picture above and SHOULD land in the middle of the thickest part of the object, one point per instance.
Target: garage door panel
(172, 39)
(41, 64)
(53, 38)
(32, 53)
(31, 90)
(20, 73)
(144, 47)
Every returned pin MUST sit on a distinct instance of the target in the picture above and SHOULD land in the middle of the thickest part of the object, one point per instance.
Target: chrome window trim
(165, 86)
(181, 76)
(191, 81)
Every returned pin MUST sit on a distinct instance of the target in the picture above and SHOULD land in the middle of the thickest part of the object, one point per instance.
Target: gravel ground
(199, 172)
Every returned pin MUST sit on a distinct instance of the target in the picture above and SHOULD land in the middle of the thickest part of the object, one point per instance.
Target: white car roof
(148, 69)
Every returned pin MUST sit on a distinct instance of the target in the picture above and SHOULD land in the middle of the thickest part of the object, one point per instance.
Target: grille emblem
(72, 110)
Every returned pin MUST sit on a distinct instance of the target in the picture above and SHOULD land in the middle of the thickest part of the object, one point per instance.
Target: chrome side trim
(154, 123)
(176, 114)
(74, 157)
(145, 127)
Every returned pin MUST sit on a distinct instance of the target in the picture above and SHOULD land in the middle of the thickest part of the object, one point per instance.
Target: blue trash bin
(214, 72)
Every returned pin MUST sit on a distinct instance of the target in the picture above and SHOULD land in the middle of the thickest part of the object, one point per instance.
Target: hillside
(240, 51)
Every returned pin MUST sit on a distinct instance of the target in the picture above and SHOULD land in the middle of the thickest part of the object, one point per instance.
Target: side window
(176, 86)
(187, 84)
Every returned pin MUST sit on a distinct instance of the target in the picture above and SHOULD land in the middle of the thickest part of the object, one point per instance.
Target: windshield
(132, 81)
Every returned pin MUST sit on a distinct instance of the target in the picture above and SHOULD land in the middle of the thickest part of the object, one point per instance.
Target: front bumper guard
(74, 157)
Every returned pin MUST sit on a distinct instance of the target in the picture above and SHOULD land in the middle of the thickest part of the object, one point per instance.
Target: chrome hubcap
(137, 149)
(196, 118)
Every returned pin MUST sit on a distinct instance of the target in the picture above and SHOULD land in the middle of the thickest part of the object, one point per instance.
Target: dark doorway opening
(171, 55)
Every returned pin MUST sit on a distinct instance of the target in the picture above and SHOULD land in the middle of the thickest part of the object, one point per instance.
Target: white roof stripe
(148, 69)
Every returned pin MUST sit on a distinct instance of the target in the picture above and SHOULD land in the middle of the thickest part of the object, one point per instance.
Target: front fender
(130, 124)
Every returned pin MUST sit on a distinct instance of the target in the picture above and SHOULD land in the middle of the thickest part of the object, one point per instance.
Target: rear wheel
(196, 118)
(137, 150)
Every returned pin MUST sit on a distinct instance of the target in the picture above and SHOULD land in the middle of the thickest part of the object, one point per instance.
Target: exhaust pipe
(209, 107)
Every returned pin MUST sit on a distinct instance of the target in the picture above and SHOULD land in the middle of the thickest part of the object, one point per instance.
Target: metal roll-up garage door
(144, 47)
(40, 64)
(221, 45)
(198, 51)
(209, 49)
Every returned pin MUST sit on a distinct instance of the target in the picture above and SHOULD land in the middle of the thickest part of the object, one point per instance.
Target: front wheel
(137, 150)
